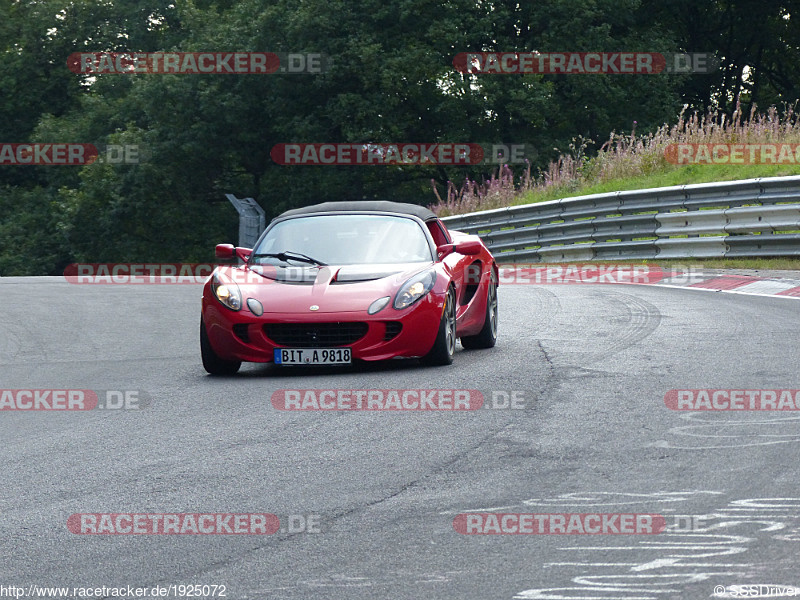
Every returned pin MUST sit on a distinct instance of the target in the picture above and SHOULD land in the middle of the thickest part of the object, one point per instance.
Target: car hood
(332, 288)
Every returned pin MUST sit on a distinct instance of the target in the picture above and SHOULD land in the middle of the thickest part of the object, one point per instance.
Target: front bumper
(241, 335)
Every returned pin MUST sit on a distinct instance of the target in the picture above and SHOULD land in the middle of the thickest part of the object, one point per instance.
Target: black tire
(211, 361)
(445, 345)
(487, 336)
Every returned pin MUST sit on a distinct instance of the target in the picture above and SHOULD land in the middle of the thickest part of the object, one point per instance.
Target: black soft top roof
(363, 206)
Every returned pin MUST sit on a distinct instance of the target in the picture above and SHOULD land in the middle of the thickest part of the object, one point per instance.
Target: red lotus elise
(343, 281)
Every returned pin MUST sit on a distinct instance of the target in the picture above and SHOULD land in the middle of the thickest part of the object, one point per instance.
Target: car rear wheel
(211, 361)
(487, 336)
(445, 345)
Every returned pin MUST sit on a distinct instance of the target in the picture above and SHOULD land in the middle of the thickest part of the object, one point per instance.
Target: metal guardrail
(251, 220)
(752, 217)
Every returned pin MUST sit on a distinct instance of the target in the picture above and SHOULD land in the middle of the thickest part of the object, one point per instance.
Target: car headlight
(415, 288)
(226, 292)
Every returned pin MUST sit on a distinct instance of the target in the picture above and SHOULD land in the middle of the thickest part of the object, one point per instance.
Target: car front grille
(315, 335)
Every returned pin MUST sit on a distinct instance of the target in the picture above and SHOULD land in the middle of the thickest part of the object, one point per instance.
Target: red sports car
(344, 281)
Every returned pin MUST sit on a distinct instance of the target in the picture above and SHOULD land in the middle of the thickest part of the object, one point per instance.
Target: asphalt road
(593, 364)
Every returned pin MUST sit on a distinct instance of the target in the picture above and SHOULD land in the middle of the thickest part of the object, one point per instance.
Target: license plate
(313, 356)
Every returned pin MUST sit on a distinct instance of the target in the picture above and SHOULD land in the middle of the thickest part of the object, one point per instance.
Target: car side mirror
(469, 248)
(225, 251)
(228, 252)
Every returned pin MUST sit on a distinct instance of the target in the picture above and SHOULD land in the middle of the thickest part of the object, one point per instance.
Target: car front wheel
(445, 345)
(487, 336)
(211, 360)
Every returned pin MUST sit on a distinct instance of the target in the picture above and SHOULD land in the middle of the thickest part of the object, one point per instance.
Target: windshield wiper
(287, 255)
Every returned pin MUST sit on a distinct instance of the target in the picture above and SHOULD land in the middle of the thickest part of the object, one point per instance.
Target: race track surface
(592, 362)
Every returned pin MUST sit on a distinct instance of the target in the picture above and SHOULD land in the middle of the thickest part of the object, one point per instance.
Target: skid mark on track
(641, 320)
(571, 338)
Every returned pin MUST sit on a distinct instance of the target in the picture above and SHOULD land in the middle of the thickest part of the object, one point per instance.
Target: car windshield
(345, 240)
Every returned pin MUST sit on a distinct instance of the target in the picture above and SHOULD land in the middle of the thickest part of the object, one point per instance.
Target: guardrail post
(251, 220)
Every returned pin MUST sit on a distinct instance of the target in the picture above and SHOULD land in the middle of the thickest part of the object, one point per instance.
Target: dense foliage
(392, 80)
